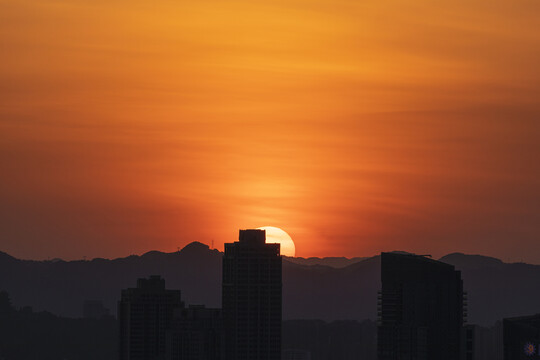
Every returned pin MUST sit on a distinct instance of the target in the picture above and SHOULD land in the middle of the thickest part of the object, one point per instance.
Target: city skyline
(357, 127)
(420, 304)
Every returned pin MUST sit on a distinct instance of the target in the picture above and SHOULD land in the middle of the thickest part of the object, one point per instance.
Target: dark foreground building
(421, 309)
(195, 334)
(484, 343)
(521, 338)
(145, 314)
(252, 298)
(291, 354)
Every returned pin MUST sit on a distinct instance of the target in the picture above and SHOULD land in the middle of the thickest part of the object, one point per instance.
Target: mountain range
(335, 262)
(311, 290)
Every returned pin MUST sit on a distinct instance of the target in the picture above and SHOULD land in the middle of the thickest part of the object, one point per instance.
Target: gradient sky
(355, 126)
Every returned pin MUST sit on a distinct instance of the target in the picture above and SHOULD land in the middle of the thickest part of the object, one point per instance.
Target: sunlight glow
(275, 235)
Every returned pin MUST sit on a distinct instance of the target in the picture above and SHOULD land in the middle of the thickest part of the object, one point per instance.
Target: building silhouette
(251, 298)
(5, 303)
(145, 314)
(294, 354)
(196, 334)
(421, 309)
(521, 338)
(484, 343)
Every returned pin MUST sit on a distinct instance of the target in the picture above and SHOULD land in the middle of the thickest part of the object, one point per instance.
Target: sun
(277, 236)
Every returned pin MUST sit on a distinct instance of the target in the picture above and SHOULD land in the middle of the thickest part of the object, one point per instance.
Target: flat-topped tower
(252, 298)
(421, 309)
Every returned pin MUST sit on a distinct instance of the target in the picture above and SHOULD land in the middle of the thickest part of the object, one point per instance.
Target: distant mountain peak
(6, 256)
(192, 248)
(464, 260)
(152, 253)
(195, 246)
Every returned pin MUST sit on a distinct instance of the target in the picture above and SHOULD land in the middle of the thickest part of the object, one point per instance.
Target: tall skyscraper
(252, 298)
(145, 314)
(421, 309)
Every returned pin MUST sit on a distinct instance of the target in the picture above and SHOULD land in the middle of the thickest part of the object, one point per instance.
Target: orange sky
(356, 126)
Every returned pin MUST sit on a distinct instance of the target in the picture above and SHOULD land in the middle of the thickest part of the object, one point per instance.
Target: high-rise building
(521, 338)
(145, 314)
(294, 354)
(483, 343)
(251, 298)
(196, 334)
(421, 309)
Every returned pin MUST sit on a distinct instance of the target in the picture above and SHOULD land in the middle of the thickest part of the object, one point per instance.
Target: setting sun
(277, 236)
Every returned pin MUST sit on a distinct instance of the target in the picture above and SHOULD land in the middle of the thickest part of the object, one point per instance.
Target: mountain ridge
(309, 291)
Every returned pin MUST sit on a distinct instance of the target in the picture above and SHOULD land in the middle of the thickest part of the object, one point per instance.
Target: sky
(355, 126)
